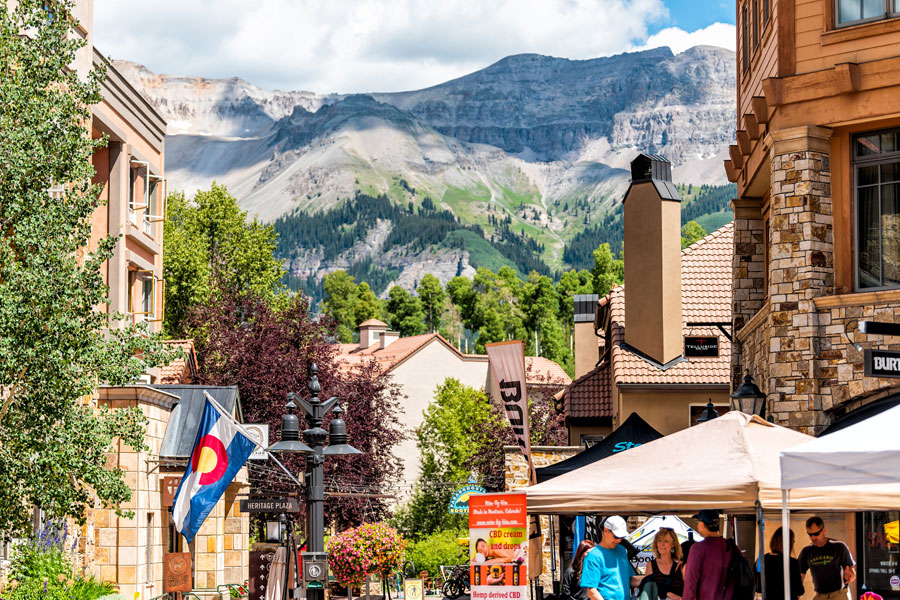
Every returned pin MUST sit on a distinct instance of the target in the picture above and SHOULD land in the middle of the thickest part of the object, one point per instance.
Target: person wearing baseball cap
(606, 571)
(705, 574)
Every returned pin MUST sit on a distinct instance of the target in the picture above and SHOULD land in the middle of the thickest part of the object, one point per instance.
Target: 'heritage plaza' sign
(882, 363)
(270, 505)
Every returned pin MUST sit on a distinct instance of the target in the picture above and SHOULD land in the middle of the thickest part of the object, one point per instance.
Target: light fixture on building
(748, 398)
(709, 413)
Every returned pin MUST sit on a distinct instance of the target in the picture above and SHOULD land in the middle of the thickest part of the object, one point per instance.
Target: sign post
(498, 546)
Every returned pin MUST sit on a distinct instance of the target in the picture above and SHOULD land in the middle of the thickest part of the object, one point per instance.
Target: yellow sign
(892, 532)
(413, 589)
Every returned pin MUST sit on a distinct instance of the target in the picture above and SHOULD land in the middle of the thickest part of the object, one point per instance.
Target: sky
(347, 46)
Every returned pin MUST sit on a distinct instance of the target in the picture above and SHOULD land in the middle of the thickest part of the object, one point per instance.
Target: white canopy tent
(867, 453)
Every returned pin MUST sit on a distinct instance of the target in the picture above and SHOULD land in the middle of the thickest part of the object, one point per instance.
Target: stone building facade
(817, 212)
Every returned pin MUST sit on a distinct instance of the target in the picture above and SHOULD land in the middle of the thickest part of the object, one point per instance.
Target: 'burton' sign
(882, 363)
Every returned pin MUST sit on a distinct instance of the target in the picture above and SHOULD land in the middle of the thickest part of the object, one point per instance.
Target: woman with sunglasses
(666, 569)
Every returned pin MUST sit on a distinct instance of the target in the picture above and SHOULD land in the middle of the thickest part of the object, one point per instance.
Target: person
(665, 570)
(571, 581)
(484, 554)
(705, 574)
(606, 572)
(775, 569)
(830, 562)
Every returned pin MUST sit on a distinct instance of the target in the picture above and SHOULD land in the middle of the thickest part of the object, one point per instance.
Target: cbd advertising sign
(498, 546)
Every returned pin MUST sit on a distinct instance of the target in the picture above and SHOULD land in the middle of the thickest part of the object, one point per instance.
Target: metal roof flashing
(655, 169)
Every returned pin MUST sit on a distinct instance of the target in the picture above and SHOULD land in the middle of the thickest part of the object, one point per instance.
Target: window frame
(745, 38)
(889, 12)
(855, 164)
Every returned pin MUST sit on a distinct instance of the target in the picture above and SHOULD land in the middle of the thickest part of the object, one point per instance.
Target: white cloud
(679, 40)
(370, 45)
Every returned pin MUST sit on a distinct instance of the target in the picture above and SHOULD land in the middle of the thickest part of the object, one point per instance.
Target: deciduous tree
(56, 341)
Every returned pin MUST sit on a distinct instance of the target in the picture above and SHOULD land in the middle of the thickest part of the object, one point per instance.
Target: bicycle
(456, 581)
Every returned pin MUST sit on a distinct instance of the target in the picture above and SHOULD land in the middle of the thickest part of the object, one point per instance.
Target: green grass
(481, 252)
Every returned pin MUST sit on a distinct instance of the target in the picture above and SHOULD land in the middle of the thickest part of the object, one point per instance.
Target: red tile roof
(181, 370)
(373, 323)
(590, 395)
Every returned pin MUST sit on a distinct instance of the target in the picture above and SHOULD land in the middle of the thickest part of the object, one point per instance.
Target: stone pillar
(748, 278)
(801, 268)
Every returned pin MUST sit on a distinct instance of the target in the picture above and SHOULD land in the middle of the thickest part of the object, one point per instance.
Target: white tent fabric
(865, 453)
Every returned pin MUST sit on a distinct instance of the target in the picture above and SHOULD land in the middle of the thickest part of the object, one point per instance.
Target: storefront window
(852, 12)
(877, 180)
(878, 549)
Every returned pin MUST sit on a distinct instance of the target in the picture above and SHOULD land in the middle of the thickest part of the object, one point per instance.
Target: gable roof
(705, 297)
(543, 371)
(180, 370)
(590, 395)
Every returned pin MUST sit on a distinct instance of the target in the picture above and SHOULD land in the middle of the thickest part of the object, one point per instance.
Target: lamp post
(709, 413)
(748, 398)
(315, 559)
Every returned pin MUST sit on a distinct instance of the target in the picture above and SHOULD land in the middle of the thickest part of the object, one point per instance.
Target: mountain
(529, 152)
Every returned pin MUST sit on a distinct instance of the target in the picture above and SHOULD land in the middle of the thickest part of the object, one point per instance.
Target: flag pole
(221, 410)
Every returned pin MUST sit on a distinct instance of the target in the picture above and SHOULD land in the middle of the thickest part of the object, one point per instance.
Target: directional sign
(270, 505)
(882, 363)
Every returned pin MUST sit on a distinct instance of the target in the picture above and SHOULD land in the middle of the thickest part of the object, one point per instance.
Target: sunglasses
(813, 534)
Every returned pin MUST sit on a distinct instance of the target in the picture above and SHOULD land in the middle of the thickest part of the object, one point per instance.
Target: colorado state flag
(219, 453)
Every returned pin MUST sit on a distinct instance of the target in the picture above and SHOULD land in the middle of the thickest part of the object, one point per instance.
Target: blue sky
(350, 46)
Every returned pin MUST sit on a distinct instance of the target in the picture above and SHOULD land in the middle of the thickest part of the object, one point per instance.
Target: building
(674, 354)
(817, 213)
(817, 222)
(419, 364)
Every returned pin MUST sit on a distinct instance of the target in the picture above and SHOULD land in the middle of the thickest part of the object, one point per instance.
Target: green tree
(341, 295)
(432, 295)
(498, 314)
(405, 312)
(571, 284)
(367, 305)
(691, 232)
(209, 235)
(455, 428)
(55, 346)
(542, 309)
(608, 271)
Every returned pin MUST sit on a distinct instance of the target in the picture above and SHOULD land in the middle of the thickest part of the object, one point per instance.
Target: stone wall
(748, 272)
(517, 478)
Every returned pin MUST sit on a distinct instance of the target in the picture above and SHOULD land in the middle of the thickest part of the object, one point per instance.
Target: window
(853, 12)
(755, 24)
(155, 201)
(745, 47)
(766, 12)
(141, 293)
(589, 440)
(876, 163)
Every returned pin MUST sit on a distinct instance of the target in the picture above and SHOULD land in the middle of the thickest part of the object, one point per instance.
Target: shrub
(44, 557)
(440, 548)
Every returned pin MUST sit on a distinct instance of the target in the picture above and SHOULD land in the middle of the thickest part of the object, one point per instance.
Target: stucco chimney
(389, 337)
(652, 206)
(586, 342)
(370, 332)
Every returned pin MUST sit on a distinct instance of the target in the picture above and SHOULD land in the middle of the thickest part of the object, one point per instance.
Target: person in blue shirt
(606, 572)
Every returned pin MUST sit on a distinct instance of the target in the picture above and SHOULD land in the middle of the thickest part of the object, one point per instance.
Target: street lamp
(748, 398)
(709, 413)
(315, 559)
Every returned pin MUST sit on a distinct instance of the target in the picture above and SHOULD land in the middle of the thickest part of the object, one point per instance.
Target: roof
(705, 297)
(538, 370)
(373, 323)
(180, 370)
(590, 395)
(181, 432)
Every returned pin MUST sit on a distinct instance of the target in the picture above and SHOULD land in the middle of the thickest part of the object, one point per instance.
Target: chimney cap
(657, 170)
(371, 323)
(585, 307)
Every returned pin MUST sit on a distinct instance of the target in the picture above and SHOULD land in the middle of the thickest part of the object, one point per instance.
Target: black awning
(633, 432)
(862, 413)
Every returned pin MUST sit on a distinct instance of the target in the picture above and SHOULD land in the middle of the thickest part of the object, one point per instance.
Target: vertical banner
(498, 546)
(507, 362)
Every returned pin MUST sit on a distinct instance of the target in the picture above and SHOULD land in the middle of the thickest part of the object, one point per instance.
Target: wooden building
(817, 213)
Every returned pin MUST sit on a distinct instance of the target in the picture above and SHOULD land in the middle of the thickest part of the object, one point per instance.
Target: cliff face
(527, 137)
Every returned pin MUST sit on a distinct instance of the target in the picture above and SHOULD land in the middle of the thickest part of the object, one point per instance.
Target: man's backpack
(740, 575)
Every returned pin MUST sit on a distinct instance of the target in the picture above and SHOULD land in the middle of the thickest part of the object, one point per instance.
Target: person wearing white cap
(606, 572)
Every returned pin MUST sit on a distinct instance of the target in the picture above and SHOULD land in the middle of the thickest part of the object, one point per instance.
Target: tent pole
(786, 543)
(761, 550)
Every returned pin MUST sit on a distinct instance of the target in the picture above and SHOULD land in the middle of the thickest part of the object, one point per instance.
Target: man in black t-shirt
(830, 562)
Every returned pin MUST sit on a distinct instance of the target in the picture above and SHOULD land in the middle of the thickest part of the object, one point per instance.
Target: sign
(260, 564)
(507, 362)
(270, 506)
(498, 546)
(168, 488)
(701, 346)
(259, 433)
(459, 503)
(882, 363)
(413, 589)
(177, 572)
